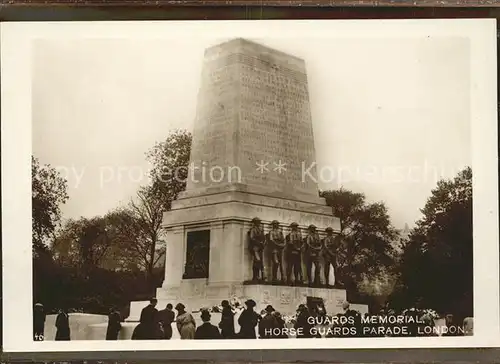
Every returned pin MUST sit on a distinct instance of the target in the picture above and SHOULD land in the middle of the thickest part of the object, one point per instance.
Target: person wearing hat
(353, 319)
(207, 331)
(62, 325)
(294, 254)
(149, 323)
(167, 316)
(280, 324)
(468, 325)
(267, 324)
(277, 244)
(248, 320)
(303, 324)
(330, 246)
(312, 250)
(226, 324)
(256, 244)
(38, 322)
(185, 322)
(114, 324)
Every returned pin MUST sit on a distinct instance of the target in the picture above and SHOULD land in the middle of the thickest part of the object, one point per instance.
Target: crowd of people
(308, 322)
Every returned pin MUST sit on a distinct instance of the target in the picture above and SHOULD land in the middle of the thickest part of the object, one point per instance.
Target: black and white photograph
(321, 184)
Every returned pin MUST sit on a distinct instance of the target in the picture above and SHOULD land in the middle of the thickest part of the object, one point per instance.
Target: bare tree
(139, 230)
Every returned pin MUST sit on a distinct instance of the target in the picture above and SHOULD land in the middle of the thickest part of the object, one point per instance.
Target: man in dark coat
(167, 316)
(38, 322)
(62, 325)
(149, 323)
(248, 321)
(207, 331)
(354, 320)
(226, 324)
(451, 327)
(281, 325)
(267, 324)
(114, 324)
(303, 322)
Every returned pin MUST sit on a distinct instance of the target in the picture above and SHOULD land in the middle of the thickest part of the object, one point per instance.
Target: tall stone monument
(252, 156)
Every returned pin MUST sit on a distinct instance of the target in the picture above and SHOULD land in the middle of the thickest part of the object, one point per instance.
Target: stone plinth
(284, 299)
(229, 260)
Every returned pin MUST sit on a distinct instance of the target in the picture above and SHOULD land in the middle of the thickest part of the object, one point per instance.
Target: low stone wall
(362, 309)
(79, 324)
(98, 331)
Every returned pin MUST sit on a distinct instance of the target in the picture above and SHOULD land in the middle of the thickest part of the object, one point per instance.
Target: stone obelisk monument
(252, 156)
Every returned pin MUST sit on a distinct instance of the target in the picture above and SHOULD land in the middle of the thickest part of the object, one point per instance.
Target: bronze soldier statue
(294, 245)
(313, 249)
(256, 243)
(276, 244)
(330, 251)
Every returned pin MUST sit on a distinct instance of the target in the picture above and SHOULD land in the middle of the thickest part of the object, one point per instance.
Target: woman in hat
(226, 324)
(248, 321)
(207, 330)
(185, 322)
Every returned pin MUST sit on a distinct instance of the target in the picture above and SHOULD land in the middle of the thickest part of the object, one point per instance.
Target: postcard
(209, 185)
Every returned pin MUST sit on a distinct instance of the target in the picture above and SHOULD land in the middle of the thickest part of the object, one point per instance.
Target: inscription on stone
(275, 116)
(212, 146)
(253, 106)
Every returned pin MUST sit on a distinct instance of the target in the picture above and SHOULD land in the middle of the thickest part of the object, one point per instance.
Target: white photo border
(16, 42)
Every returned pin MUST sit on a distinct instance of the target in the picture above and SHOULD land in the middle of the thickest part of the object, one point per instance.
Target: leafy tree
(367, 239)
(49, 192)
(170, 160)
(65, 245)
(84, 243)
(436, 265)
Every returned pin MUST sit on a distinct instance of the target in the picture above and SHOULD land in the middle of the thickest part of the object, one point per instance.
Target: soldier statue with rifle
(276, 242)
(256, 244)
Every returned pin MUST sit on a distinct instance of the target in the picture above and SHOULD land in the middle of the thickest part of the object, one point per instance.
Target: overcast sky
(392, 114)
